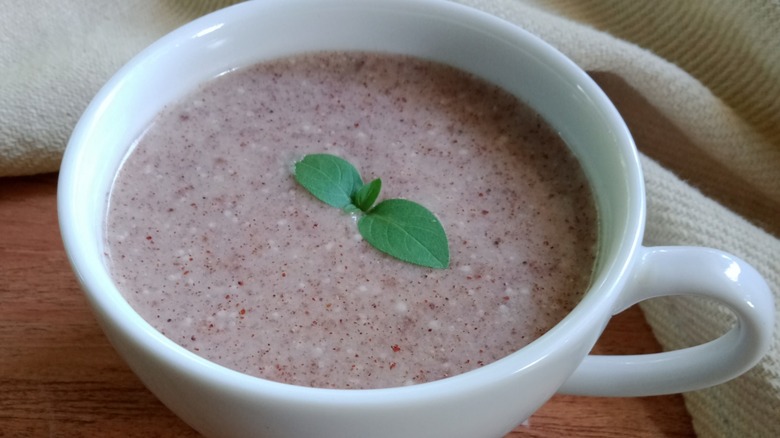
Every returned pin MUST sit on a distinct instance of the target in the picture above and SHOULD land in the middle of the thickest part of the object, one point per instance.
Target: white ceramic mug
(491, 400)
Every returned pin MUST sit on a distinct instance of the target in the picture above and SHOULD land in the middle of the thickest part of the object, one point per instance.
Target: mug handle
(663, 271)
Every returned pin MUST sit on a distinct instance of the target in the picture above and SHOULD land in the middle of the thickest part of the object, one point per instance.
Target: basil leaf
(366, 195)
(407, 231)
(403, 229)
(330, 179)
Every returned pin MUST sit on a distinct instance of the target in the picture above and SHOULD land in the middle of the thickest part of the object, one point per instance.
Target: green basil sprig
(398, 227)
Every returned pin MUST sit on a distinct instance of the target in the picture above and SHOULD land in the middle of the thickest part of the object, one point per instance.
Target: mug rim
(603, 291)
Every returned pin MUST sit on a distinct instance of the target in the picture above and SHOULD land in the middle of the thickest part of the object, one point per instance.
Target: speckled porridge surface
(212, 241)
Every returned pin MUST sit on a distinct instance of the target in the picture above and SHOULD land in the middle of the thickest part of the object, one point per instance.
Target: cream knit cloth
(698, 82)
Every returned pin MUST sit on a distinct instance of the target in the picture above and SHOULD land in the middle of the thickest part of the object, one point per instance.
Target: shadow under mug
(491, 400)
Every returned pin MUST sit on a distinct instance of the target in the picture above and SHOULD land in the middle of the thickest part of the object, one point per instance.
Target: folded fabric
(55, 56)
(697, 82)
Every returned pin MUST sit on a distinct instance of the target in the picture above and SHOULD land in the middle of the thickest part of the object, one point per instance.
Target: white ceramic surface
(486, 402)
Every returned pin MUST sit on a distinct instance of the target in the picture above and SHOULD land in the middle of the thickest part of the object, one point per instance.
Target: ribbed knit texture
(748, 406)
(698, 82)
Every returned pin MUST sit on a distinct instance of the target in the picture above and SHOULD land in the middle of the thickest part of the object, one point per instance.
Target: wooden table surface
(59, 377)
